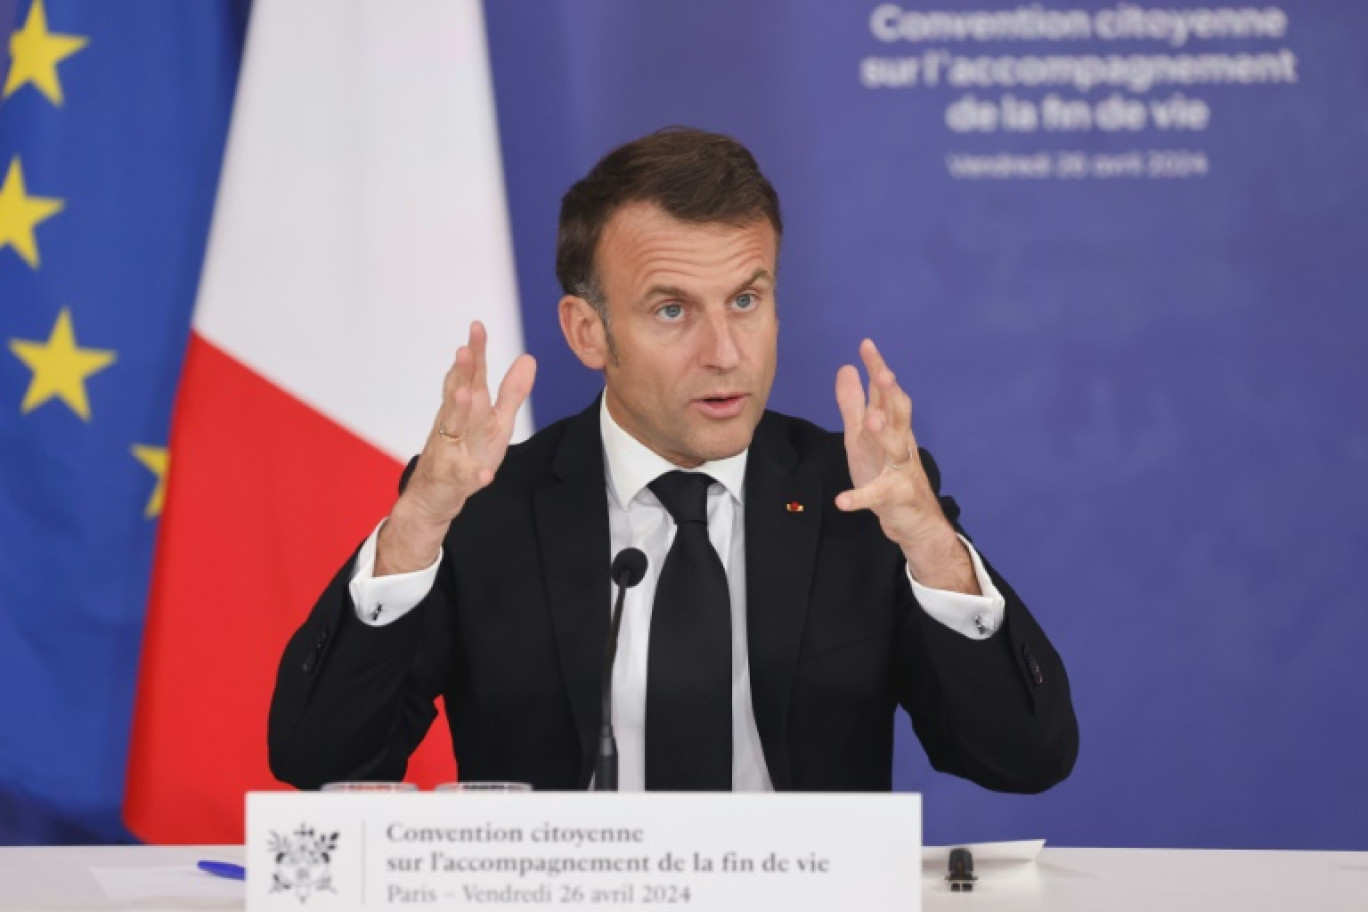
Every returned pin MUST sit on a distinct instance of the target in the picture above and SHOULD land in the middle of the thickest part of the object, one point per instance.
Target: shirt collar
(631, 465)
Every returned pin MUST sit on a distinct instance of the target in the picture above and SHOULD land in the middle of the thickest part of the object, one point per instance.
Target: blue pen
(223, 869)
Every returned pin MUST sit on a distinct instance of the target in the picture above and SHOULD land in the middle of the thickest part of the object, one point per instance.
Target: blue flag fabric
(112, 125)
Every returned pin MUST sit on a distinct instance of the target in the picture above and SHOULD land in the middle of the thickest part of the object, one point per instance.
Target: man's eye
(747, 300)
(671, 312)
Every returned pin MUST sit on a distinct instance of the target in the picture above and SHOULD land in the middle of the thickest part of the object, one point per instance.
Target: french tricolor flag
(360, 226)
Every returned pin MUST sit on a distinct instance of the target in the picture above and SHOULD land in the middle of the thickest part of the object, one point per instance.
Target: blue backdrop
(1117, 256)
(1142, 371)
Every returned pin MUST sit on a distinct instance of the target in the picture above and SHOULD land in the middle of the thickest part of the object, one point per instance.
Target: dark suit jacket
(512, 635)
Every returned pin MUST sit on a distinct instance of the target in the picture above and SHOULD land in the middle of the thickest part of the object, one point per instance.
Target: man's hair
(692, 175)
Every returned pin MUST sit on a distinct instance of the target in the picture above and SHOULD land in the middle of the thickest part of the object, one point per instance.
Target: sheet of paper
(150, 888)
(1020, 850)
(999, 866)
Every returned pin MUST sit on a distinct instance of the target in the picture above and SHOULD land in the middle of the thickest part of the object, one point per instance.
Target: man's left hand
(888, 476)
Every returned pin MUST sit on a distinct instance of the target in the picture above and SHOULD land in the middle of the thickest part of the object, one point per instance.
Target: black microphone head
(629, 567)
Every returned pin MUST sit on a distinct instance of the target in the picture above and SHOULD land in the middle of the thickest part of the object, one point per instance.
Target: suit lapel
(572, 533)
(784, 504)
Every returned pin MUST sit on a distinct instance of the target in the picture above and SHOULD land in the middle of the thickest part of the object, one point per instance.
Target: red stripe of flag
(265, 498)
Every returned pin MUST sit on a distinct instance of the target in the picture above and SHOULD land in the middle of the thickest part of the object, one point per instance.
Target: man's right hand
(464, 449)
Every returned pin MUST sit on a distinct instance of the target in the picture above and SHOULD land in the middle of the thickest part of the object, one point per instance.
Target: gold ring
(901, 465)
(450, 438)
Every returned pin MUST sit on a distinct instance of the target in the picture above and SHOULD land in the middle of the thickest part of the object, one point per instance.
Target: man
(800, 586)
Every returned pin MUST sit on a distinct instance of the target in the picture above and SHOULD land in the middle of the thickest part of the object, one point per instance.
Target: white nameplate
(573, 850)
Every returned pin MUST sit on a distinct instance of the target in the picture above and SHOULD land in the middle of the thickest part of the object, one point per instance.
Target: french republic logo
(303, 862)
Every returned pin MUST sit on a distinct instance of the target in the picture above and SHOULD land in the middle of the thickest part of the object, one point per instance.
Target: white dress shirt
(636, 518)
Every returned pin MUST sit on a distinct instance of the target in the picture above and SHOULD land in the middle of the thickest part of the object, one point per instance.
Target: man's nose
(720, 350)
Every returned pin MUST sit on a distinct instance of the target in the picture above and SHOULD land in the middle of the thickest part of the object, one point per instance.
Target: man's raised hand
(888, 477)
(464, 449)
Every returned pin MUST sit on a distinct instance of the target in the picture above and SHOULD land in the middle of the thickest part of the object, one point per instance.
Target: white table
(60, 879)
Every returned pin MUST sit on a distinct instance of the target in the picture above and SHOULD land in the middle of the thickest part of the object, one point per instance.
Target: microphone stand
(628, 569)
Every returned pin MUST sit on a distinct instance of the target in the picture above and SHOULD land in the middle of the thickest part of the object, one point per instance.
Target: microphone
(629, 567)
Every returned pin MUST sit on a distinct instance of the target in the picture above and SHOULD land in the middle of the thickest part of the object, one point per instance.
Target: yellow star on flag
(60, 367)
(156, 459)
(19, 213)
(35, 53)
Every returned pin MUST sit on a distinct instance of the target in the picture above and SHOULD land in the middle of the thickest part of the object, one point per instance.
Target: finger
(461, 369)
(891, 397)
(515, 388)
(891, 438)
(456, 420)
(457, 410)
(479, 340)
(850, 399)
(873, 365)
(902, 410)
(449, 379)
(873, 360)
(449, 416)
(866, 497)
(883, 384)
(895, 403)
(898, 413)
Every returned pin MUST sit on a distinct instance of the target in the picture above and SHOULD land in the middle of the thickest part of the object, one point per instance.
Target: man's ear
(584, 332)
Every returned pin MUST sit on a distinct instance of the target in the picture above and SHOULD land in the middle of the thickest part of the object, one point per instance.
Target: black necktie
(688, 674)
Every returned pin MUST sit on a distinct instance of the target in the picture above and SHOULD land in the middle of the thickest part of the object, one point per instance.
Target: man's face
(692, 313)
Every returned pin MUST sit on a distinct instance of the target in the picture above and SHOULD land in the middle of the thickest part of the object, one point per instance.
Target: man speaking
(800, 584)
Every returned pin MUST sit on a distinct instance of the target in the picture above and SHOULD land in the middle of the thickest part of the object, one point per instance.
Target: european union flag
(112, 124)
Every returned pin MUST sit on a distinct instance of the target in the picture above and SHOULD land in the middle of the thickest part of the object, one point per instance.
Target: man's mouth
(725, 405)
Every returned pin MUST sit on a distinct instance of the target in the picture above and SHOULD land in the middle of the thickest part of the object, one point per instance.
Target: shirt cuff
(384, 600)
(975, 616)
